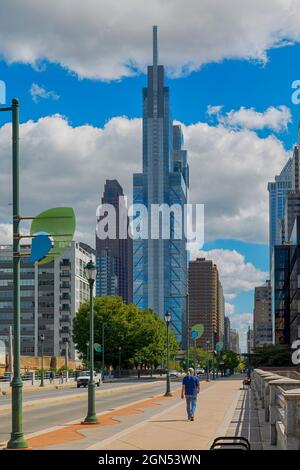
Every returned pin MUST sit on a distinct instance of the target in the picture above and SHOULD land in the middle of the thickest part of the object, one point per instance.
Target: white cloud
(229, 173)
(211, 110)
(276, 119)
(229, 309)
(61, 164)
(64, 165)
(39, 92)
(5, 234)
(107, 40)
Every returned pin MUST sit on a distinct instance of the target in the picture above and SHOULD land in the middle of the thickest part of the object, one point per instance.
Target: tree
(231, 360)
(199, 357)
(140, 333)
(272, 355)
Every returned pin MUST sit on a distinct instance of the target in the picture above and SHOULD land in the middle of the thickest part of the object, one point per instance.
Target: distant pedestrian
(51, 376)
(61, 377)
(190, 390)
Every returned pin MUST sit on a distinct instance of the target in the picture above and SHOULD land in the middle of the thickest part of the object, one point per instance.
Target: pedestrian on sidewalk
(61, 377)
(190, 390)
(51, 377)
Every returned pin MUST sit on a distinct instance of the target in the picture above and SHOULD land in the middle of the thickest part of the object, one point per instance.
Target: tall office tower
(204, 292)
(114, 255)
(277, 195)
(250, 341)
(160, 262)
(50, 297)
(262, 315)
(221, 313)
(226, 333)
(234, 341)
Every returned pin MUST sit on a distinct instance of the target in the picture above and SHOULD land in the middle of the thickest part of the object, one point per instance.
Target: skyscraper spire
(155, 49)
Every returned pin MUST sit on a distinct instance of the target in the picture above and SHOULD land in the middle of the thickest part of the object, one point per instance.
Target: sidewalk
(171, 430)
(155, 423)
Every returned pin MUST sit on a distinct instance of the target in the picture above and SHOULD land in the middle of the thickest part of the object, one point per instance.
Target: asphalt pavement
(36, 418)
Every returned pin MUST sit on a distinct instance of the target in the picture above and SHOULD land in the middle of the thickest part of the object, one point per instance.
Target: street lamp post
(120, 350)
(42, 338)
(103, 357)
(17, 440)
(87, 353)
(168, 384)
(207, 362)
(188, 332)
(91, 418)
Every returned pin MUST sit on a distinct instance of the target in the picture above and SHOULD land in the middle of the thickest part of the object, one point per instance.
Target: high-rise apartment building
(50, 297)
(250, 341)
(226, 334)
(160, 263)
(234, 341)
(262, 315)
(221, 313)
(206, 303)
(114, 255)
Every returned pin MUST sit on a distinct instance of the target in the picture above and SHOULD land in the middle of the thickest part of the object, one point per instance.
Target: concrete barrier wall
(279, 396)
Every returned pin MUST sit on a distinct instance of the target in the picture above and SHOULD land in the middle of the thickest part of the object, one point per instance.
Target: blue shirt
(191, 383)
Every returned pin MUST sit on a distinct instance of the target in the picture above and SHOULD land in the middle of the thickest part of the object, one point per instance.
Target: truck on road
(84, 378)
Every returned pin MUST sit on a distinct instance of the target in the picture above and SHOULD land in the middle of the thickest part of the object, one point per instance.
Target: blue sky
(232, 83)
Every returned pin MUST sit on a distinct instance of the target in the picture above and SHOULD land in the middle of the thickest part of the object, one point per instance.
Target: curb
(6, 391)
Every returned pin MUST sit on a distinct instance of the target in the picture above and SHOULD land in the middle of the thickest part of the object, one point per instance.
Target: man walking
(190, 390)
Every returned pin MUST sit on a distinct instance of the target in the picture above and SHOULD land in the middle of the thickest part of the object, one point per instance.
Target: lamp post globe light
(42, 339)
(168, 384)
(90, 272)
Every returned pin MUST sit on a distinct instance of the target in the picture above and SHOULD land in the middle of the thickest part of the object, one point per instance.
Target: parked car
(200, 371)
(174, 373)
(84, 378)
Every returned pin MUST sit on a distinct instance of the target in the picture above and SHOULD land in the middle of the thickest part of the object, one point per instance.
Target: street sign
(97, 347)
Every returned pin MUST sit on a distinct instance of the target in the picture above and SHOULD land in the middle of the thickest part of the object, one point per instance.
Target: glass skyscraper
(160, 265)
(277, 196)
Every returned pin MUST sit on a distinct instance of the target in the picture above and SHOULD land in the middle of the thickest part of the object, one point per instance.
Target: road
(52, 393)
(37, 418)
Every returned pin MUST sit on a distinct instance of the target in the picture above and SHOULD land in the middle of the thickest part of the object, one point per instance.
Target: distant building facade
(280, 277)
(114, 256)
(234, 341)
(226, 334)
(206, 301)
(50, 297)
(263, 315)
(250, 341)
